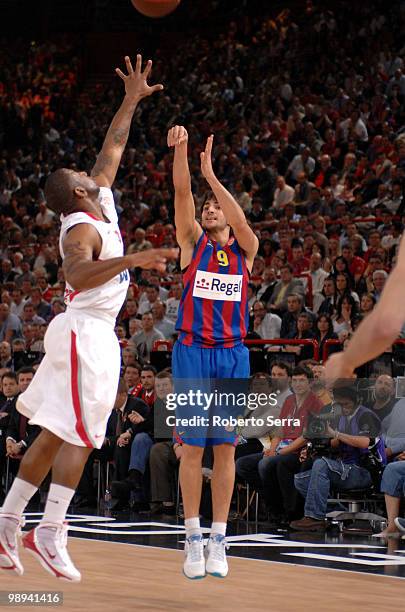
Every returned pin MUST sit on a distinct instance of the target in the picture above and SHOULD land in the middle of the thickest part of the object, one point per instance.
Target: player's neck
(221, 236)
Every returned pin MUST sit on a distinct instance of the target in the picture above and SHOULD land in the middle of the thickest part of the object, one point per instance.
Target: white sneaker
(216, 564)
(47, 543)
(194, 563)
(10, 529)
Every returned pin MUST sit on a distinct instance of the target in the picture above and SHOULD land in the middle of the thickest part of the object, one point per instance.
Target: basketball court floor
(130, 562)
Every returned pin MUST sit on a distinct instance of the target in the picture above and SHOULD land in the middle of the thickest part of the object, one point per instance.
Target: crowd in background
(308, 115)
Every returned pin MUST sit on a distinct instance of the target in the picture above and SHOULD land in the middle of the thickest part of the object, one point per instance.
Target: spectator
(132, 376)
(289, 320)
(379, 280)
(286, 286)
(173, 303)
(265, 324)
(284, 194)
(160, 321)
(324, 331)
(143, 340)
(351, 439)
(10, 325)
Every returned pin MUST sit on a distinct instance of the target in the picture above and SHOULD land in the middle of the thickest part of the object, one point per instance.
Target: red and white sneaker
(47, 543)
(10, 529)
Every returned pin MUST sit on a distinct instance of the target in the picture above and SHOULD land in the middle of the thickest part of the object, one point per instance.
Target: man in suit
(284, 288)
(20, 434)
(116, 446)
(9, 388)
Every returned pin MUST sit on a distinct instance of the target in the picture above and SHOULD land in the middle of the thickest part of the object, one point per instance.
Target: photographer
(352, 438)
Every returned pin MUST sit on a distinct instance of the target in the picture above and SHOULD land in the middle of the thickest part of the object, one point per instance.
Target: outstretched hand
(206, 160)
(154, 259)
(136, 81)
(177, 135)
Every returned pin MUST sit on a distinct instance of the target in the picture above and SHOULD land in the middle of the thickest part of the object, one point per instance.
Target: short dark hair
(59, 191)
(9, 374)
(345, 391)
(149, 368)
(163, 374)
(282, 365)
(25, 370)
(135, 365)
(208, 195)
(300, 370)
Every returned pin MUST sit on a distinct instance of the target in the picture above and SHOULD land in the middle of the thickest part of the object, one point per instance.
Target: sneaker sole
(45, 564)
(18, 571)
(194, 577)
(217, 574)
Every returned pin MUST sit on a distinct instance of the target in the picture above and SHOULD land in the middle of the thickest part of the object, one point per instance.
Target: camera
(316, 430)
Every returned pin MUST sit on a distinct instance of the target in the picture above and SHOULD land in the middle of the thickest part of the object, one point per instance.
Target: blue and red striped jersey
(213, 310)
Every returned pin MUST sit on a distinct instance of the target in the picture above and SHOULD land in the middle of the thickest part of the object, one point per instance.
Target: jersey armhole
(62, 237)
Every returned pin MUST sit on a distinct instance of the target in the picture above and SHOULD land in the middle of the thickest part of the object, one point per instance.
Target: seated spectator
(148, 298)
(289, 320)
(304, 331)
(379, 280)
(10, 324)
(283, 194)
(30, 316)
(146, 389)
(9, 393)
(137, 438)
(132, 376)
(346, 315)
(318, 276)
(265, 324)
(20, 434)
(324, 331)
(164, 455)
(393, 487)
(143, 340)
(367, 303)
(356, 264)
(272, 471)
(173, 303)
(266, 288)
(344, 287)
(356, 431)
(160, 321)
(286, 286)
(129, 356)
(6, 359)
(391, 412)
(299, 262)
(329, 304)
(42, 308)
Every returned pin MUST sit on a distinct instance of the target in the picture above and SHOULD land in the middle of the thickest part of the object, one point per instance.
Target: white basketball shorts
(74, 390)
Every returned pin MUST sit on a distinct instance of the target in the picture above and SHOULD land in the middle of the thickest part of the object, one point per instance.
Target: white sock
(218, 528)
(57, 504)
(18, 497)
(192, 526)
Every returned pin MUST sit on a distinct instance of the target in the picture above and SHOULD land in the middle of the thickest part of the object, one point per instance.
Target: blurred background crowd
(307, 107)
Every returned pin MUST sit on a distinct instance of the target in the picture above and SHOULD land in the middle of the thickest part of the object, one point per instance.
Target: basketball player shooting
(378, 330)
(210, 344)
(73, 392)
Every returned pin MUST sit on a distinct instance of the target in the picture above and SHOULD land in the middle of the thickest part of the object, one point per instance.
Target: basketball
(155, 8)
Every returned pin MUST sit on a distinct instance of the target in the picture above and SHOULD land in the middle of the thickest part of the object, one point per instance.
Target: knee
(192, 455)
(319, 466)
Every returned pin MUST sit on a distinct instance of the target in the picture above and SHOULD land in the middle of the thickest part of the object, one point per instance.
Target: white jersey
(104, 301)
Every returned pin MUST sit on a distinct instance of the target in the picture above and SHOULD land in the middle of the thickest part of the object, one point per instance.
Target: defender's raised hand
(177, 135)
(136, 81)
(153, 259)
(206, 160)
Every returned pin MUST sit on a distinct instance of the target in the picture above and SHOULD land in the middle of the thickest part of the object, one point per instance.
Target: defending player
(212, 326)
(73, 391)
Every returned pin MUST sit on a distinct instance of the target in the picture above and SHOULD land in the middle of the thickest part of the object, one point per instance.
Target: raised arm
(188, 230)
(81, 248)
(136, 88)
(379, 329)
(234, 214)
